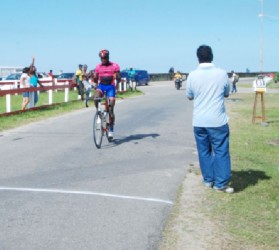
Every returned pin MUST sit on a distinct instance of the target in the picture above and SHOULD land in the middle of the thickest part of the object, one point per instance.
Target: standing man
(234, 80)
(79, 81)
(106, 75)
(208, 86)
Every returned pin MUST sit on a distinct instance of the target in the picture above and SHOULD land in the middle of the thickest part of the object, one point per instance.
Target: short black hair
(204, 54)
(26, 70)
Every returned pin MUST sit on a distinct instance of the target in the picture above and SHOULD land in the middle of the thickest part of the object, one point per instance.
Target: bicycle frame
(101, 121)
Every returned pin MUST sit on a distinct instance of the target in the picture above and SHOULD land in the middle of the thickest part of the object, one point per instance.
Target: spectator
(234, 81)
(79, 81)
(208, 86)
(50, 74)
(88, 88)
(171, 73)
(132, 80)
(34, 81)
(84, 69)
(25, 83)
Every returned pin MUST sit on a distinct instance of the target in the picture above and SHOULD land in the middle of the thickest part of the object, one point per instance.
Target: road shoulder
(190, 225)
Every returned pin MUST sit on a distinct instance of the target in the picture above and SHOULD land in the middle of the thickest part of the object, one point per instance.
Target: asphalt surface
(58, 191)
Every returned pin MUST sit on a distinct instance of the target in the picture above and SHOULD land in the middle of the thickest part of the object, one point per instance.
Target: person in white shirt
(25, 83)
(208, 86)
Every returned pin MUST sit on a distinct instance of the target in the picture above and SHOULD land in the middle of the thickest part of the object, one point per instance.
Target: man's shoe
(208, 184)
(110, 135)
(226, 189)
(86, 104)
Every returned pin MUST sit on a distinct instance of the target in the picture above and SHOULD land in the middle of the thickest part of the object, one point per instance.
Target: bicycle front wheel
(97, 130)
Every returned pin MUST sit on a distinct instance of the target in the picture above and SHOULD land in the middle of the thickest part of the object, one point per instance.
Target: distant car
(65, 76)
(141, 77)
(14, 76)
(12, 81)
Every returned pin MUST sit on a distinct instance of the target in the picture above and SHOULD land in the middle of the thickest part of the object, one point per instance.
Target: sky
(145, 34)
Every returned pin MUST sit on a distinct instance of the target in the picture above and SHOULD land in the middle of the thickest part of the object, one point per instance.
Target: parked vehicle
(10, 82)
(141, 77)
(64, 76)
(14, 76)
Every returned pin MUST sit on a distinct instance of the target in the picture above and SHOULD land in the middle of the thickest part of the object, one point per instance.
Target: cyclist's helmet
(104, 54)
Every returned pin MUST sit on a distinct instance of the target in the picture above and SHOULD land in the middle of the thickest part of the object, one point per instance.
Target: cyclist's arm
(117, 77)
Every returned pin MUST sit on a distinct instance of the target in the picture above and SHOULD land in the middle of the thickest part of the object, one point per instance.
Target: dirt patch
(274, 142)
(190, 226)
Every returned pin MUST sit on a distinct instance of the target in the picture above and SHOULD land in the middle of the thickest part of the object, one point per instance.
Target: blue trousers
(214, 155)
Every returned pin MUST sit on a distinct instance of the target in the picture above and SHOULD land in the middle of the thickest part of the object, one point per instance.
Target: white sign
(259, 85)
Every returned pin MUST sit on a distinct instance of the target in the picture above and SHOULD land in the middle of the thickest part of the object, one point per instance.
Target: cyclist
(107, 74)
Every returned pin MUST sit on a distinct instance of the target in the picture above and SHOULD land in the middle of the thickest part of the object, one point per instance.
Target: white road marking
(84, 193)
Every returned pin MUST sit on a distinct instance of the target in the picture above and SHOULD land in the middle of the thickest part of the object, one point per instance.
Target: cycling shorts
(109, 89)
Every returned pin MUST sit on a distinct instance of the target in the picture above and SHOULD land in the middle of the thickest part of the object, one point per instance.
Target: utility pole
(261, 16)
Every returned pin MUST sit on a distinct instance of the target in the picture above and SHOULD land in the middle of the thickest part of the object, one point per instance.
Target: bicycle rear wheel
(97, 130)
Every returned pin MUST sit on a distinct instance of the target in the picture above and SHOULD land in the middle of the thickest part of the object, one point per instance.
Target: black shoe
(86, 104)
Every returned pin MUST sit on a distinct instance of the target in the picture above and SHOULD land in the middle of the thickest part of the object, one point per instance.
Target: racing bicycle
(101, 121)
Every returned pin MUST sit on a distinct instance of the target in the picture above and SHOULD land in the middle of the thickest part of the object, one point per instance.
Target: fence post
(50, 97)
(125, 86)
(54, 82)
(8, 103)
(67, 93)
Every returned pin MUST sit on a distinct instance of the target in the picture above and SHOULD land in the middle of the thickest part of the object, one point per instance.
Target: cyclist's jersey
(106, 73)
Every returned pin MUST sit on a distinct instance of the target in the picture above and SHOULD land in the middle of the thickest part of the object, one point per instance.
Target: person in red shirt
(50, 74)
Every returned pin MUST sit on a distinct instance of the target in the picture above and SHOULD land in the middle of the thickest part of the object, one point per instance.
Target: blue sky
(145, 34)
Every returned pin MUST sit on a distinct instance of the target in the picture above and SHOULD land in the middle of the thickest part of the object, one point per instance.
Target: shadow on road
(134, 138)
(245, 178)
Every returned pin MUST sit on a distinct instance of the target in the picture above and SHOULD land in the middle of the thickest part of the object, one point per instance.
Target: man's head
(104, 56)
(204, 54)
(80, 66)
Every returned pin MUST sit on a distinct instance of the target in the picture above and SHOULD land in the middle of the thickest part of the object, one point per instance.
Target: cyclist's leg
(98, 94)
(111, 97)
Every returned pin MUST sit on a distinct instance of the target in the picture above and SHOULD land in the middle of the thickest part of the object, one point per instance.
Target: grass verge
(249, 218)
(251, 215)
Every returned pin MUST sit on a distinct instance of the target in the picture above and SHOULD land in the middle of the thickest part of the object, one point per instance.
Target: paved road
(58, 191)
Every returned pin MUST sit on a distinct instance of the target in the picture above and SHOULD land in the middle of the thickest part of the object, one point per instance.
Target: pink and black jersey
(107, 73)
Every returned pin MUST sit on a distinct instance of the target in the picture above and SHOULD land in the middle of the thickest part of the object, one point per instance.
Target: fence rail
(49, 87)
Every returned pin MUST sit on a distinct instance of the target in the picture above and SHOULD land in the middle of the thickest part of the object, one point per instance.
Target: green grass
(12, 121)
(252, 214)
